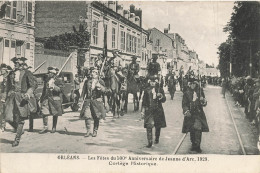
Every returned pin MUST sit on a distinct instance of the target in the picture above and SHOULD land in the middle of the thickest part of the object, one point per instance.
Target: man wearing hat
(93, 106)
(154, 67)
(152, 109)
(171, 81)
(20, 102)
(195, 120)
(4, 72)
(133, 68)
(51, 101)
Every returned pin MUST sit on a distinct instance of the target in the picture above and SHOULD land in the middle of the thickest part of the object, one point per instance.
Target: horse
(113, 83)
(133, 87)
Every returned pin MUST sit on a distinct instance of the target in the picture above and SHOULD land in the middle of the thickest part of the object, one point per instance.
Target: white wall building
(17, 31)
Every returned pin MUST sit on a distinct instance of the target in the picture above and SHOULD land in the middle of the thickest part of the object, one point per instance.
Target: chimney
(165, 30)
(169, 27)
(132, 8)
(120, 10)
(138, 12)
(132, 17)
(126, 14)
(112, 5)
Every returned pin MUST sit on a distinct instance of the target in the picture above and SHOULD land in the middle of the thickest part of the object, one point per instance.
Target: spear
(37, 68)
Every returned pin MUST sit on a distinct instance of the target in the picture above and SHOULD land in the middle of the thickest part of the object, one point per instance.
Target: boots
(94, 133)
(96, 125)
(18, 134)
(30, 124)
(88, 125)
(45, 123)
(157, 135)
(198, 135)
(149, 137)
(54, 124)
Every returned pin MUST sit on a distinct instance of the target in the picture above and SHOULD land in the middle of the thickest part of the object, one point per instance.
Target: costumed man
(93, 106)
(20, 102)
(4, 72)
(51, 99)
(133, 68)
(153, 67)
(24, 66)
(171, 81)
(152, 109)
(195, 120)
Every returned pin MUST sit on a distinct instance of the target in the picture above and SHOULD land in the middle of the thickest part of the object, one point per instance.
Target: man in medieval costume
(51, 99)
(152, 109)
(93, 106)
(20, 102)
(195, 120)
(4, 71)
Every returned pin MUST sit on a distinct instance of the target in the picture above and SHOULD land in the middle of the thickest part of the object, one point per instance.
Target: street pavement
(126, 135)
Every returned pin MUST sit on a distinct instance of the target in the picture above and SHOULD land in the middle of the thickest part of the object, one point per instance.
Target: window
(139, 46)
(122, 40)
(144, 41)
(128, 42)
(113, 37)
(7, 43)
(134, 44)
(95, 32)
(28, 45)
(8, 10)
(14, 9)
(12, 44)
(29, 12)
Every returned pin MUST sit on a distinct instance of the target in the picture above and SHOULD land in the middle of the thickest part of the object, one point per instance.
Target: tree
(224, 58)
(244, 35)
(79, 38)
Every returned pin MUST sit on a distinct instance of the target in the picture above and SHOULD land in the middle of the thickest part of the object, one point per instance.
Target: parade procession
(97, 82)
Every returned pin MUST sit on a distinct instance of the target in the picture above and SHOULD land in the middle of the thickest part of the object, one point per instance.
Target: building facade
(122, 27)
(163, 45)
(17, 31)
(124, 33)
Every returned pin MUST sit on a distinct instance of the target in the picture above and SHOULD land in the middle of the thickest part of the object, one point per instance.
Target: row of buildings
(23, 22)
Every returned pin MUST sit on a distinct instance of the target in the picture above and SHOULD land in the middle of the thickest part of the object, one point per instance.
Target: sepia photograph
(129, 86)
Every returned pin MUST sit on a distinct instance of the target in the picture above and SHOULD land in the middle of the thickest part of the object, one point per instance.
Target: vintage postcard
(129, 86)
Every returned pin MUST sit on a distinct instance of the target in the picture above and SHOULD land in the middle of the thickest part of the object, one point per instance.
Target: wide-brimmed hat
(3, 66)
(53, 70)
(23, 59)
(134, 57)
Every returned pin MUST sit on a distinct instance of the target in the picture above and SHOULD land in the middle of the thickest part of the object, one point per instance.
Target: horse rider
(93, 106)
(134, 68)
(4, 71)
(51, 99)
(195, 120)
(20, 100)
(152, 110)
(153, 67)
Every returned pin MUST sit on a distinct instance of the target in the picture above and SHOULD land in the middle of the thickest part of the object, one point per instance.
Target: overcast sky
(199, 23)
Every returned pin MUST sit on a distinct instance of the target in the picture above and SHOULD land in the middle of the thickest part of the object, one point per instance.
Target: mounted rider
(153, 67)
(133, 68)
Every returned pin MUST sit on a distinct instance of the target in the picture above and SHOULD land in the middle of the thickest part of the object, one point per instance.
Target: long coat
(51, 100)
(154, 113)
(18, 84)
(93, 106)
(198, 119)
(171, 83)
